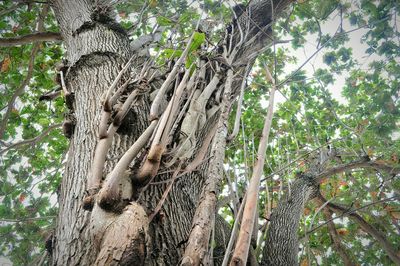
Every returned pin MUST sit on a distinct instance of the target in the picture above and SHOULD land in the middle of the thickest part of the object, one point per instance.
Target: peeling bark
(198, 242)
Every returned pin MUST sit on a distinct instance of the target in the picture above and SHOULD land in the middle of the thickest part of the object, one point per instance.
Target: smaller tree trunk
(282, 244)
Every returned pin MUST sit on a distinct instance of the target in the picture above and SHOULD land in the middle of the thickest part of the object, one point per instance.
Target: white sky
(302, 54)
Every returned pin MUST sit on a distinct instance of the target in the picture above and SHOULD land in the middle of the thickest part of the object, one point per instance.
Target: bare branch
(29, 38)
(42, 259)
(105, 141)
(27, 219)
(11, 9)
(106, 135)
(110, 193)
(32, 140)
(51, 95)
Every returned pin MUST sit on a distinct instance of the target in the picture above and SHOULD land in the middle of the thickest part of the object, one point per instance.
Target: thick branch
(372, 231)
(335, 238)
(106, 136)
(111, 193)
(29, 38)
(362, 163)
(282, 246)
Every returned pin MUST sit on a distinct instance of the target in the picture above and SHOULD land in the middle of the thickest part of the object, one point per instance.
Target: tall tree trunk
(97, 49)
(95, 54)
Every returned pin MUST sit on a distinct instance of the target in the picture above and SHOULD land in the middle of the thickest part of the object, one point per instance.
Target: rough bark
(95, 53)
(97, 49)
(282, 245)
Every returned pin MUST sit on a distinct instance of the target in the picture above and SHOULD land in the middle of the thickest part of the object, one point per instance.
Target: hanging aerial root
(195, 118)
(105, 141)
(155, 111)
(151, 165)
(242, 248)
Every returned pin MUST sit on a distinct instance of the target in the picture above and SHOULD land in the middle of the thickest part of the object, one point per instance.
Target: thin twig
(28, 77)
(29, 38)
(165, 194)
(32, 140)
(27, 219)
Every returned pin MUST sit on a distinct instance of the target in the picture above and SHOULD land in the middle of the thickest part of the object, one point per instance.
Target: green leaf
(171, 53)
(198, 40)
(164, 21)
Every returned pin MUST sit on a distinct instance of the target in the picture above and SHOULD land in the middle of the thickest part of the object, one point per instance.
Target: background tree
(144, 91)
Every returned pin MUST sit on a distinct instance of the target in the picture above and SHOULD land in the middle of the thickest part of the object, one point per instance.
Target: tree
(147, 109)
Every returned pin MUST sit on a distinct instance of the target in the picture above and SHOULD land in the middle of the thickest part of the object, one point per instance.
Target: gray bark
(282, 245)
(97, 48)
(91, 69)
(95, 54)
